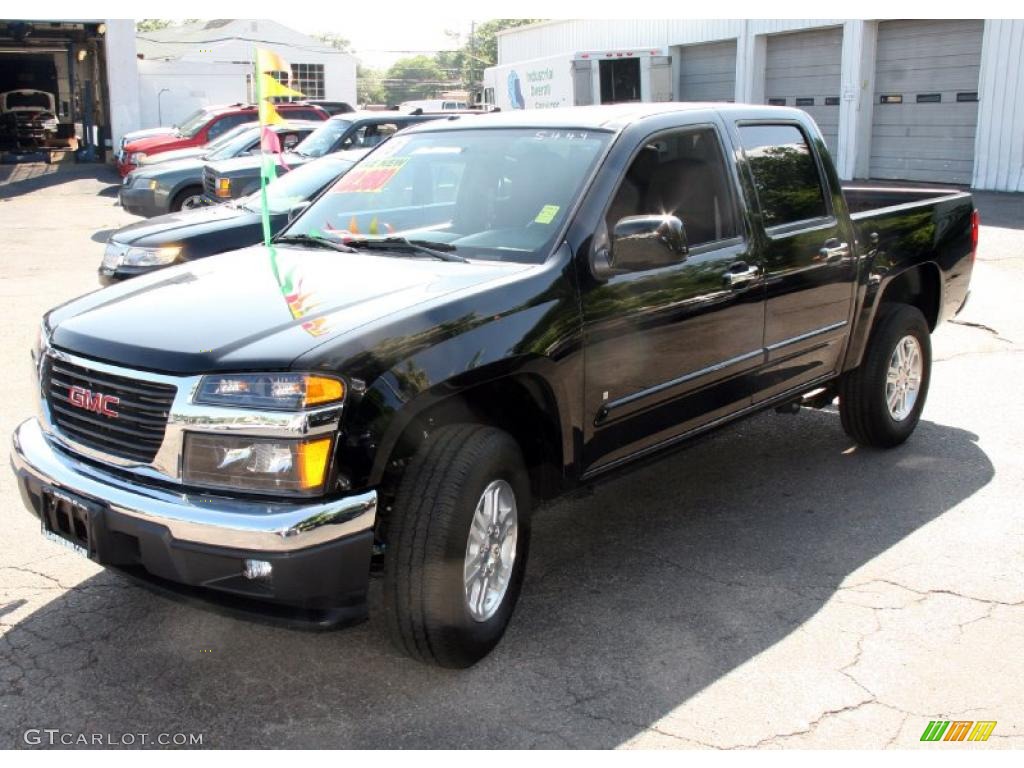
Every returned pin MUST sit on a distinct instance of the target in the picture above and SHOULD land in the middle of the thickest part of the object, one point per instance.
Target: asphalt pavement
(771, 586)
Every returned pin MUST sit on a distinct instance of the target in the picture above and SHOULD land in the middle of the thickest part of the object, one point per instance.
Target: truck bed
(905, 226)
(863, 199)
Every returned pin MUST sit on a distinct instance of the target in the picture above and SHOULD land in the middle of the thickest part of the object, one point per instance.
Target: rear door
(670, 349)
(808, 254)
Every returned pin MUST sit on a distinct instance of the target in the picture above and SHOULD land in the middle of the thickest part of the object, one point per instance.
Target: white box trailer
(581, 78)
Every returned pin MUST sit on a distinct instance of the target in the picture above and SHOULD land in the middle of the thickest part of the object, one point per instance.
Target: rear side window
(785, 175)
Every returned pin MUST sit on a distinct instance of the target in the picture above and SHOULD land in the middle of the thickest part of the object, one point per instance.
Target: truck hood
(257, 308)
(174, 154)
(157, 168)
(172, 227)
(244, 165)
(161, 143)
(146, 133)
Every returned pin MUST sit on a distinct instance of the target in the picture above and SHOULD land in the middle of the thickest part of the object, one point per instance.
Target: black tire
(862, 401)
(182, 196)
(424, 594)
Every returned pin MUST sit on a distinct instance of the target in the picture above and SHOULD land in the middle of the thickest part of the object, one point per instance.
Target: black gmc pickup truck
(475, 319)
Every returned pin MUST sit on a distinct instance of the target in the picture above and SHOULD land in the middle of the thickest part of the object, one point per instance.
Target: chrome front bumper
(207, 520)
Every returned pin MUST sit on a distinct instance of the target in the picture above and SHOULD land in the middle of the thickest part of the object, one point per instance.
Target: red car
(203, 127)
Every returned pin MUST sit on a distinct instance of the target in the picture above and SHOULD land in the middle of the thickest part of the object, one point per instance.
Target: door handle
(741, 273)
(833, 251)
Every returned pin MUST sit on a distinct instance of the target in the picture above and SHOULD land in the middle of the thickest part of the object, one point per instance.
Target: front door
(671, 349)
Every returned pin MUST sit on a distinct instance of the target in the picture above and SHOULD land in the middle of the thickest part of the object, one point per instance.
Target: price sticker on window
(370, 175)
(547, 214)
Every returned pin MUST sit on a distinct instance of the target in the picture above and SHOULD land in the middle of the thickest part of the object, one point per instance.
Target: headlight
(223, 187)
(117, 254)
(152, 184)
(256, 464)
(136, 157)
(113, 256)
(274, 391)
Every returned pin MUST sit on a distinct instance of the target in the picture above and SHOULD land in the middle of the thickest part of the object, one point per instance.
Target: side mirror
(647, 242)
(295, 210)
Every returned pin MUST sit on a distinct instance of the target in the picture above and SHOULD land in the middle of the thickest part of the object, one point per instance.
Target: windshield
(492, 194)
(285, 192)
(28, 99)
(193, 124)
(228, 138)
(322, 140)
(234, 142)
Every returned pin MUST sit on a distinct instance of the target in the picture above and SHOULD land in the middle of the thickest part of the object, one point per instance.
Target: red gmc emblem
(96, 402)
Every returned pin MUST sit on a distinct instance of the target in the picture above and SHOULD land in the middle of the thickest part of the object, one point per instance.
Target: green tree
(343, 44)
(370, 86)
(414, 77)
(152, 25)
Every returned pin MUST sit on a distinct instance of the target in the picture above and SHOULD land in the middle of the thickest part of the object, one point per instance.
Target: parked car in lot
(187, 152)
(194, 234)
(178, 185)
(230, 179)
(27, 116)
(479, 316)
(204, 127)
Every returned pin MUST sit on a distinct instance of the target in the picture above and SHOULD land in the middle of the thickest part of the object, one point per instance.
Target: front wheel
(457, 545)
(881, 401)
(188, 200)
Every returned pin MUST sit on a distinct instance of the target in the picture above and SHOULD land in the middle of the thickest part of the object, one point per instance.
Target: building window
(891, 98)
(777, 102)
(967, 96)
(929, 98)
(309, 79)
(831, 101)
(805, 101)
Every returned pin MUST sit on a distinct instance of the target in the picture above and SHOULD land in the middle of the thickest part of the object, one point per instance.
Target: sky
(379, 44)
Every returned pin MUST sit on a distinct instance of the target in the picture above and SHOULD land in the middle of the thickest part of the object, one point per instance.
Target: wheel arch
(919, 285)
(523, 403)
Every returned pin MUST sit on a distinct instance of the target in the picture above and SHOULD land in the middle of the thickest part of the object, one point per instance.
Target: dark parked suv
(226, 180)
(176, 185)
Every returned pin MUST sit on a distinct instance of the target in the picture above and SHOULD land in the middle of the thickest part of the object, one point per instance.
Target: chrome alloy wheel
(903, 379)
(192, 202)
(491, 550)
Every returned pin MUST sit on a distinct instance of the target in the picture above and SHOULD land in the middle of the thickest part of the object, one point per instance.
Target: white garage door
(926, 108)
(707, 72)
(803, 70)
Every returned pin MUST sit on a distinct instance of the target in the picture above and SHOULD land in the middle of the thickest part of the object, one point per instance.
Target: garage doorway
(620, 80)
(803, 69)
(926, 100)
(59, 66)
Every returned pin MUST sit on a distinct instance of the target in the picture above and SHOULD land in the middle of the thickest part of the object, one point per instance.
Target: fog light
(258, 570)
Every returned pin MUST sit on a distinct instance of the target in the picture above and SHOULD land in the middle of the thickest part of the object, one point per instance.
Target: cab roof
(607, 117)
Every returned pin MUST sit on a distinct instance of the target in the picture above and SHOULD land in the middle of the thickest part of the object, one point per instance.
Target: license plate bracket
(68, 520)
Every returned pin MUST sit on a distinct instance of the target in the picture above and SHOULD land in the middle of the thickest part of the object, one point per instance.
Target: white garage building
(107, 80)
(921, 100)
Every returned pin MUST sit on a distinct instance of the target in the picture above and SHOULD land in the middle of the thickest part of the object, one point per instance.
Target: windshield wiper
(318, 242)
(442, 251)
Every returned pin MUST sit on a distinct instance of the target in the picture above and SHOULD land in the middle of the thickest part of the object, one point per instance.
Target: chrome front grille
(77, 397)
(209, 183)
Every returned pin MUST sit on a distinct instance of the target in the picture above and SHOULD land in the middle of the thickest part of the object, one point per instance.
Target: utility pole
(471, 85)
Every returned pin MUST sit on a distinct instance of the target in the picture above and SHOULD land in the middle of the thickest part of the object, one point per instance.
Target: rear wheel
(881, 401)
(458, 540)
(188, 199)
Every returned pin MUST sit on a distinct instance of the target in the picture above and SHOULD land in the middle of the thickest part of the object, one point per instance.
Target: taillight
(975, 226)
